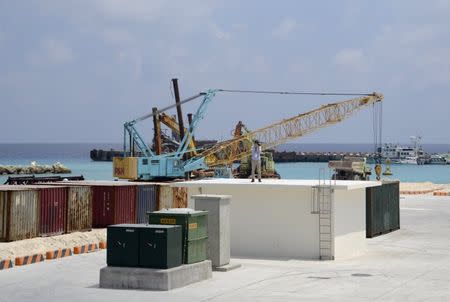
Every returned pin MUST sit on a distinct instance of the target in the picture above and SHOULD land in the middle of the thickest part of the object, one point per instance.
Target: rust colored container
(113, 204)
(79, 209)
(18, 213)
(53, 210)
(172, 197)
(165, 196)
(180, 197)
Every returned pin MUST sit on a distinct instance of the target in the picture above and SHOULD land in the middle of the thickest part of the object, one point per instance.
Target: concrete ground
(412, 264)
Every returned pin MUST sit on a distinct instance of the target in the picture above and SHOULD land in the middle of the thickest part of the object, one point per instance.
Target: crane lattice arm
(227, 152)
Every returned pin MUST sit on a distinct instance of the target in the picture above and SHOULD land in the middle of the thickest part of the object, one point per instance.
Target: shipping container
(179, 197)
(165, 197)
(194, 230)
(382, 208)
(170, 198)
(113, 204)
(146, 201)
(18, 213)
(52, 210)
(79, 209)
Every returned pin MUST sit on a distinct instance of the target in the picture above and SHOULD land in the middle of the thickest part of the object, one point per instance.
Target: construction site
(183, 221)
(176, 179)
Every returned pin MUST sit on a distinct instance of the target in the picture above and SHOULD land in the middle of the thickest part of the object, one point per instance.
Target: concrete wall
(349, 223)
(274, 220)
(270, 222)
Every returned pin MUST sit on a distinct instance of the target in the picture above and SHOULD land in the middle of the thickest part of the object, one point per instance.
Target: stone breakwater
(33, 168)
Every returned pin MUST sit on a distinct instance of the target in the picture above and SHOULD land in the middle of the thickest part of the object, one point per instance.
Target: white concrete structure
(289, 219)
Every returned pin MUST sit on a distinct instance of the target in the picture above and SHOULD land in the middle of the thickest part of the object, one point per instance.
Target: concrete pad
(227, 267)
(411, 264)
(154, 279)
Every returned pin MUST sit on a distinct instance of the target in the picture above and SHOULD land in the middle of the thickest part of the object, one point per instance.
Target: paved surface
(412, 264)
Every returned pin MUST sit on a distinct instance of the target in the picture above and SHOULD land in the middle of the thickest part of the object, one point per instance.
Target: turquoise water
(408, 173)
(76, 157)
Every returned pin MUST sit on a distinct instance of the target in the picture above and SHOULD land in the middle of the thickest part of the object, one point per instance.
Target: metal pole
(179, 112)
(157, 132)
(190, 122)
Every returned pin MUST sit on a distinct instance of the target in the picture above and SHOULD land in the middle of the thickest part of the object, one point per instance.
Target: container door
(145, 202)
(103, 206)
(125, 204)
(179, 197)
(2, 215)
(53, 211)
(79, 216)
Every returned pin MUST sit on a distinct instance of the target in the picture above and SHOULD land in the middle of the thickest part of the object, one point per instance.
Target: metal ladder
(322, 205)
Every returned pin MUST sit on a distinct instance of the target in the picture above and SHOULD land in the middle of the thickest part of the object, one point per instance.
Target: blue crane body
(169, 165)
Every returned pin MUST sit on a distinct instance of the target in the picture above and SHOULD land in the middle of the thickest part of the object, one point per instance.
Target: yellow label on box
(168, 221)
(193, 225)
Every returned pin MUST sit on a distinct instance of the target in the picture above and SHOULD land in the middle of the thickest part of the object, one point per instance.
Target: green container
(194, 230)
(382, 209)
(140, 245)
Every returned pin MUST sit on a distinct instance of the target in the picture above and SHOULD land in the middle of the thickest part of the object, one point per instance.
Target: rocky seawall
(33, 168)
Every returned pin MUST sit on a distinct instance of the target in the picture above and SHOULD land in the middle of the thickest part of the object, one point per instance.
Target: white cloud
(285, 29)
(351, 59)
(52, 51)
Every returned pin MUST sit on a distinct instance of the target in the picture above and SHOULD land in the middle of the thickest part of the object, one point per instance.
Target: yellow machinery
(173, 125)
(225, 153)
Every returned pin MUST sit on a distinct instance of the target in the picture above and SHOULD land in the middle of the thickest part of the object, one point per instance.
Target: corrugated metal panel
(20, 215)
(79, 209)
(3, 211)
(53, 210)
(113, 205)
(125, 204)
(102, 206)
(165, 195)
(382, 209)
(146, 201)
(179, 198)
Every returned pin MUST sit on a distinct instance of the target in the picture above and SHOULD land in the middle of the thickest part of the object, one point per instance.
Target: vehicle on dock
(350, 168)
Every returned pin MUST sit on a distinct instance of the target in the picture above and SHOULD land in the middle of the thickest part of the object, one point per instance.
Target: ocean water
(76, 157)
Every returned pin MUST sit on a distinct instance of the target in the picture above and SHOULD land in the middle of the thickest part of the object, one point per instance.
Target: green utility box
(140, 245)
(194, 230)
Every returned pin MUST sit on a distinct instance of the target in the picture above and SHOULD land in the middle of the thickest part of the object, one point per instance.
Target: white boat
(410, 160)
(400, 154)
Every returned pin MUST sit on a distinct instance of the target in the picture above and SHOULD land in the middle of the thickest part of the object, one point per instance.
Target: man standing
(256, 159)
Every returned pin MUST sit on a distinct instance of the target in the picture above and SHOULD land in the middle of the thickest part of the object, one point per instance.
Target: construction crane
(172, 165)
(173, 125)
(227, 152)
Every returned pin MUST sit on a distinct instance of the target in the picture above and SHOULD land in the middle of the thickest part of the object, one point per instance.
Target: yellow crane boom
(225, 153)
(173, 125)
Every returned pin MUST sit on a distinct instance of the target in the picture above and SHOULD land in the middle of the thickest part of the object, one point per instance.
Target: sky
(76, 70)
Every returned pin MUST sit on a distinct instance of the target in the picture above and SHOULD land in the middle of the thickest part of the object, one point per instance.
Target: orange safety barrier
(29, 259)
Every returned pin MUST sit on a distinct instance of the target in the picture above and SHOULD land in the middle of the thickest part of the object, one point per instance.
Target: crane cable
(293, 92)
